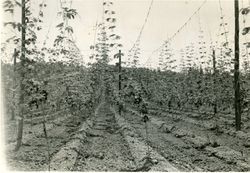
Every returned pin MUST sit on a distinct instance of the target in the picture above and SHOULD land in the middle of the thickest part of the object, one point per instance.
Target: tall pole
(21, 96)
(119, 78)
(236, 68)
(14, 85)
(214, 82)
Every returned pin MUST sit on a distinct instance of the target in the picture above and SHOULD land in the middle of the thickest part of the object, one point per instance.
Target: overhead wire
(177, 32)
(144, 24)
(142, 28)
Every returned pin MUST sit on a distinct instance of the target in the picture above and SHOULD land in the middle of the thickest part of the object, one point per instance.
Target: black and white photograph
(125, 85)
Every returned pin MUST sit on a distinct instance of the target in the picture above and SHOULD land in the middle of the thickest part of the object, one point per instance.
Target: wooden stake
(214, 82)
(119, 55)
(236, 68)
(21, 97)
(14, 85)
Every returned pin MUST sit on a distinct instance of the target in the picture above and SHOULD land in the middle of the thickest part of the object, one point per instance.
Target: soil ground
(33, 156)
(185, 145)
(108, 151)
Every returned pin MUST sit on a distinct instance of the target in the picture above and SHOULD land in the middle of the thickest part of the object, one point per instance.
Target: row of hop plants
(191, 90)
(194, 87)
(64, 51)
(218, 80)
(54, 78)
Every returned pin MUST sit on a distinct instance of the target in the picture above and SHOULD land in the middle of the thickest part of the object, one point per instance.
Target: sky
(166, 17)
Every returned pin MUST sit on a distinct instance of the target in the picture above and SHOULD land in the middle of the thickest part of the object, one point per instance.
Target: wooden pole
(236, 68)
(14, 85)
(119, 78)
(214, 82)
(21, 96)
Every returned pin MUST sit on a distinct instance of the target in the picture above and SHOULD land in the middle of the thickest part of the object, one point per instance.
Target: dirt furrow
(105, 149)
(33, 153)
(186, 150)
(145, 157)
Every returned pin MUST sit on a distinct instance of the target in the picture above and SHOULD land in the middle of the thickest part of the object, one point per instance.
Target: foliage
(107, 41)
(191, 90)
